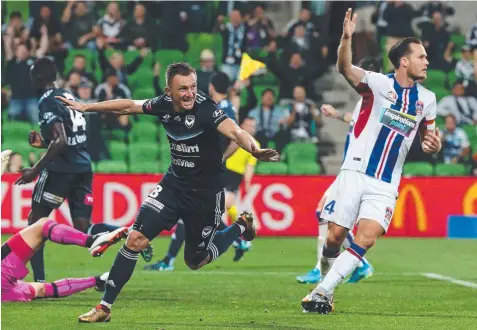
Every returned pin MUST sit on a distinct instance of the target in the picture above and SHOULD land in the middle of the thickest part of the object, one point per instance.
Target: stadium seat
(440, 121)
(163, 140)
(164, 166)
(165, 153)
(265, 79)
(143, 131)
(199, 41)
(131, 55)
(300, 152)
(471, 131)
(22, 147)
(440, 92)
(143, 152)
(141, 79)
(22, 6)
(418, 169)
(458, 40)
(168, 56)
(117, 150)
(144, 167)
(271, 168)
(16, 131)
(435, 78)
(112, 166)
(304, 168)
(451, 170)
(119, 135)
(143, 93)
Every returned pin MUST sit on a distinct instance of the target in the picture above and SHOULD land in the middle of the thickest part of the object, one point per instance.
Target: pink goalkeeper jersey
(388, 121)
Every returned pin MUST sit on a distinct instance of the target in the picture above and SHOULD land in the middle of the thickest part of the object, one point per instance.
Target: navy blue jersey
(229, 110)
(74, 158)
(195, 143)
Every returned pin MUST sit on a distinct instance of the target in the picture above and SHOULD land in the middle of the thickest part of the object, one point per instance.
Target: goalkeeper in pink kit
(18, 250)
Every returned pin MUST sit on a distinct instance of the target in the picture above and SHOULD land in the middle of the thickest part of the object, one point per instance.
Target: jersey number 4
(76, 117)
(330, 207)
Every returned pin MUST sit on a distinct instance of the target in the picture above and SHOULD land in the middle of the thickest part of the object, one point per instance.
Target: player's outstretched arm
(329, 111)
(120, 107)
(246, 141)
(57, 144)
(352, 73)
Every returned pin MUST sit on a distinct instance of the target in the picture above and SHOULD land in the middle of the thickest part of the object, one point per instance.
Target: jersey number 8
(76, 117)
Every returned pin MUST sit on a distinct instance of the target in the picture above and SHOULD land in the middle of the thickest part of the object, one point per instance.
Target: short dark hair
(80, 55)
(181, 68)
(266, 90)
(43, 71)
(221, 82)
(15, 14)
(400, 49)
(370, 63)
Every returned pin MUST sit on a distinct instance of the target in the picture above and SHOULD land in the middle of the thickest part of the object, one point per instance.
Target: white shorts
(355, 195)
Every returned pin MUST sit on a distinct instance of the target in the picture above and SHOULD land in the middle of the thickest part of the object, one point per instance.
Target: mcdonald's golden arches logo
(399, 212)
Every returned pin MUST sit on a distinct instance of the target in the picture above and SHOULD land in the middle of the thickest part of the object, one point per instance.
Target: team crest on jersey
(419, 107)
(189, 121)
(166, 118)
(391, 95)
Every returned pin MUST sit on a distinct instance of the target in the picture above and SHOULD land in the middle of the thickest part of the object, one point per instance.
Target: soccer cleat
(96, 315)
(101, 282)
(365, 271)
(104, 241)
(5, 158)
(312, 277)
(160, 266)
(240, 250)
(246, 220)
(317, 302)
(148, 253)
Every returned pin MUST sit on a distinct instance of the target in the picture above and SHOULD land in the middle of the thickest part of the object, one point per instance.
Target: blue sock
(223, 239)
(101, 228)
(358, 250)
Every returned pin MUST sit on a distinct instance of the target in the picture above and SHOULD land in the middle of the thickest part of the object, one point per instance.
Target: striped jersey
(388, 120)
(354, 117)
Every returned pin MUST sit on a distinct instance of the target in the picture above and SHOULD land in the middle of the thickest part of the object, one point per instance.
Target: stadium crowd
(112, 50)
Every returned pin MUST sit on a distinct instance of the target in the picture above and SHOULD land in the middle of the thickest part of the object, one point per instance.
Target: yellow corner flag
(249, 66)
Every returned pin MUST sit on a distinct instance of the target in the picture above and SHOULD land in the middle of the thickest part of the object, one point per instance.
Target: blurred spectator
(233, 37)
(305, 20)
(173, 26)
(23, 102)
(364, 37)
(303, 114)
(293, 74)
(52, 25)
(112, 89)
(78, 22)
(437, 42)
(109, 26)
(79, 66)
(428, 9)
(140, 32)
(471, 38)
(260, 30)
(455, 143)
(85, 92)
(16, 29)
(116, 62)
(465, 71)
(194, 16)
(313, 51)
(272, 122)
(462, 108)
(15, 163)
(73, 82)
(207, 69)
(399, 16)
(378, 19)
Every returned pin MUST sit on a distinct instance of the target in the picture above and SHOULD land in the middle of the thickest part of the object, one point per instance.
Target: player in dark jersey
(218, 88)
(65, 170)
(192, 189)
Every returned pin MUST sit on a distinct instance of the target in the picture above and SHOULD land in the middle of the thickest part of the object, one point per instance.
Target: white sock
(342, 267)
(104, 303)
(348, 240)
(325, 265)
(322, 234)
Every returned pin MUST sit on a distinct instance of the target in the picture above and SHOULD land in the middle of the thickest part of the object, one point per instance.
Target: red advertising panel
(284, 205)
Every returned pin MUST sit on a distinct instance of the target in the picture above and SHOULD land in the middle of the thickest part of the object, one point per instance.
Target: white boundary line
(250, 273)
(450, 280)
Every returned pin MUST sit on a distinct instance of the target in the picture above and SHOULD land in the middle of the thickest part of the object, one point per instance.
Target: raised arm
(120, 107)
(353, 74)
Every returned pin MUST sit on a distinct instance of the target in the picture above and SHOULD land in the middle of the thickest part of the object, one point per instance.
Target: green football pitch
(260, 292)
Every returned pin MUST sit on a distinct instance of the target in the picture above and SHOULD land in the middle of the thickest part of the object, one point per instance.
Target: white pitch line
(256, 273)
(450, 280)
